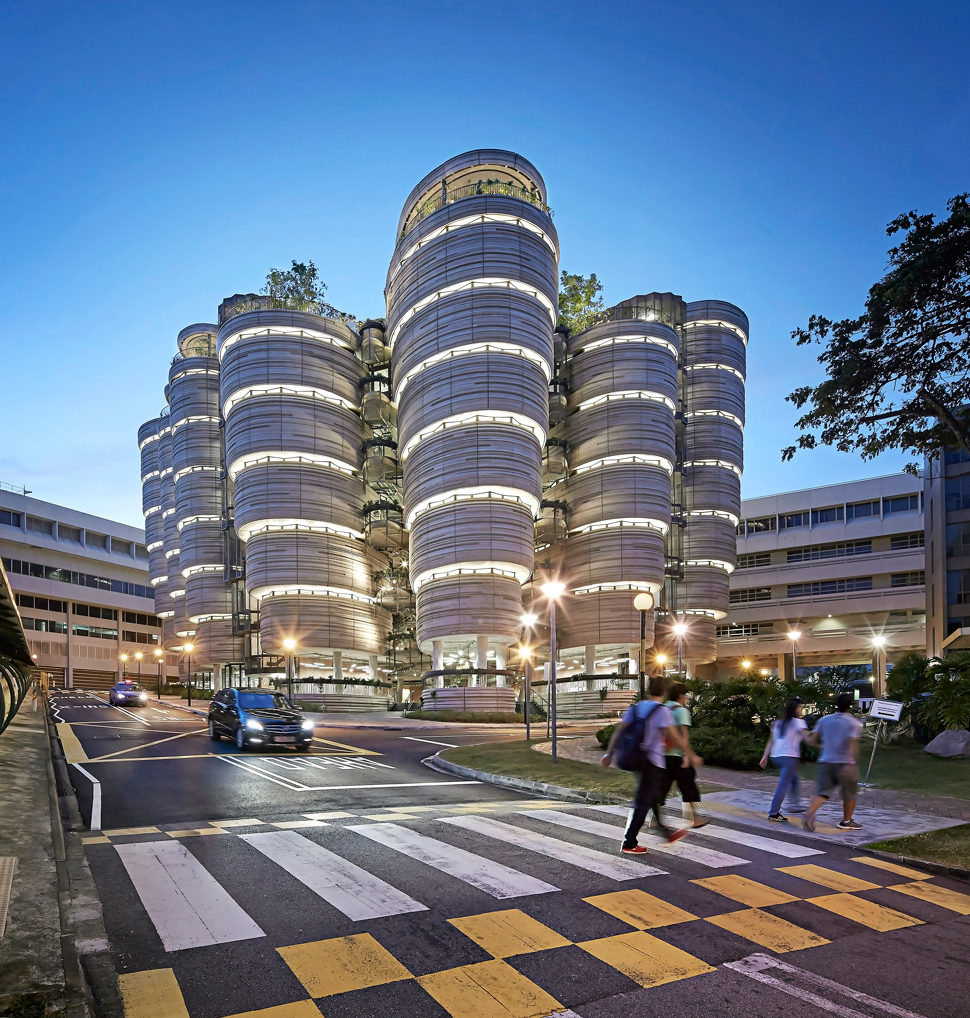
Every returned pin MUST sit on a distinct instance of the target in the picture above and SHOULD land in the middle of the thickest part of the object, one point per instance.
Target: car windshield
(124, 686)
(250, 700)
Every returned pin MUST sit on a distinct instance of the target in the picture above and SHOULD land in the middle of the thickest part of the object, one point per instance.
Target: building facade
(842, 565)
(379, 502)
(81, 585)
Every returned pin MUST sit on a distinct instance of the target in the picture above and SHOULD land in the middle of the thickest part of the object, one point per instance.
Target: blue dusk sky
(157, 157)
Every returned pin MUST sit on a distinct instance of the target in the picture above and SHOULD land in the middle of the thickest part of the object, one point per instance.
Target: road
(355, 881)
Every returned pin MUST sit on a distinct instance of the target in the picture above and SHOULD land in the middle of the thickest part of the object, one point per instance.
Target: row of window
(49, 604)
(131, 637)
(746, 629)
(833, 514)
(94, 612)
(816, 552)
(44, 625)
(748, 595)
(956, 491)
(74, 535)
(44, 604)
(95, 631)
(13, 565)
(138, 619)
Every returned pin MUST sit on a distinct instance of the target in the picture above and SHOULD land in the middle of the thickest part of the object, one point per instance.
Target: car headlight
(308, 726)
(253, 726)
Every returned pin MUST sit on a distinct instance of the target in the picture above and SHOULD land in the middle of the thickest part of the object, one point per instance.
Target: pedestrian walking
(784, 749)
(638, 744)
(838, 762)
(681, 764)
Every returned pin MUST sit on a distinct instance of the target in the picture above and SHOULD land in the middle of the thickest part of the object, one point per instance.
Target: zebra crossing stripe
(616, 868)
(691, 853)
(347, 887)
(485, 874)
(186, 904)
(769, 845)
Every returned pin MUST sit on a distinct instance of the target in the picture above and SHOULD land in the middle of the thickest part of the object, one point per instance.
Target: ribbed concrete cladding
(214, 644)
(601, 618)
(472, 418)
(206, 593)
(619, 491)
(323, 623)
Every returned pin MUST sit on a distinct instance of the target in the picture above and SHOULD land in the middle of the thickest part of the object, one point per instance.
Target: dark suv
(257, 717)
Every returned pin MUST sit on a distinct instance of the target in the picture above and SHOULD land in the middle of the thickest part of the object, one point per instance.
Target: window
(13, 565)
(94, 612)
(954, 456)
(745, 629)
(900, 542)
(750, 594)
(900, 504)
(739, 529)
(762, 525)
(129, 636)
(11, 519)
(760, 558)
(913, 579)
(43, 604)
(792, 520)
(861, 510)
(832, 515)
(37, 525)
(141, 552)
(70, 534)
(957, 540)
(93, 540)
(824, 551)
(958, 586)
(137, 619)
(120, 547)
(95, 631)
(957, 492)
(44, 625)
(829, 587)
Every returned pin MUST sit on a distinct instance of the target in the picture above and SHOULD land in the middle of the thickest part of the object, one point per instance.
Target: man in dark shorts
(838, 762)
(682, 764)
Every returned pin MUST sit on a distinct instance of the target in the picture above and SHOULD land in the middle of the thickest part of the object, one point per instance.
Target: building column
(437, 647)
(500, 660)
(372, 664)
(590, 666)
(481, 659)
(783, 666)
(338, 668)
(68, 672)
(879, 672)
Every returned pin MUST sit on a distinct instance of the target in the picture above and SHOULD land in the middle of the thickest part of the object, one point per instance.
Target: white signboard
(888, 710)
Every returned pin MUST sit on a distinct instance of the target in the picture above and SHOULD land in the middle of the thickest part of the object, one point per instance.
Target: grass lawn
(950, 846)
(904, 767)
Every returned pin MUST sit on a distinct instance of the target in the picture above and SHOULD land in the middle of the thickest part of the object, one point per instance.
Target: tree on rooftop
(301, 289)
(579, 301)
(898, 376)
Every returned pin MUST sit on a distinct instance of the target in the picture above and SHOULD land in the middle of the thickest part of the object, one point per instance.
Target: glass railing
(508, 189)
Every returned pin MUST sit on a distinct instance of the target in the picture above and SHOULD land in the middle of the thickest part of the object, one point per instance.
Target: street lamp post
(794, 635)
(124, 666)
(138, 657)
(552, 591)
(643, 603)
(289, 645)
(158, 661)
(680, 630)
(528, 620)
(189, 647)
(879, 672)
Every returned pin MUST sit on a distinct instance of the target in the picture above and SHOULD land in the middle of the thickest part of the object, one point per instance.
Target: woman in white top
(784, 749)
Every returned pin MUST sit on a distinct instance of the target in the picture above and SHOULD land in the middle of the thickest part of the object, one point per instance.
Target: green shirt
(681, 717)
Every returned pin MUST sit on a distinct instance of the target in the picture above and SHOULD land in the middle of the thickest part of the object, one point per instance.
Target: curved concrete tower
(622, 454)
(293, 436)
(472, 294)
(715, 337)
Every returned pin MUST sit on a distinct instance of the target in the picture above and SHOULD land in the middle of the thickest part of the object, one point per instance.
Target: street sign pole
(883, 710)
(872, 755)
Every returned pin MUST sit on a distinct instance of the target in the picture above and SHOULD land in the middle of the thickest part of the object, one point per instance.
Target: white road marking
(691, 853)
(788, 850)
(185, 902)
(755, 966)
(430, 742)
(352, 890)
(95, 798)
(614, 867)
(492, 877)
(122, 709)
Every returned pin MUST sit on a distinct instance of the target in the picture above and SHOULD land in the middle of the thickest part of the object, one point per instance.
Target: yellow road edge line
(154, 993)
(73, 750)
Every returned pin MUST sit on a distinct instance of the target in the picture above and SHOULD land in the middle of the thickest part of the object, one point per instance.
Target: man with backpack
(641, 739)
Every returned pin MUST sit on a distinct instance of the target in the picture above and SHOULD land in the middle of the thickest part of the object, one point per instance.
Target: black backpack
(630, 755)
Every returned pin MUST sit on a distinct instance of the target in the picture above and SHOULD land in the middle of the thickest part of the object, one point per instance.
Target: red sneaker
(676, 836)
(636, 850)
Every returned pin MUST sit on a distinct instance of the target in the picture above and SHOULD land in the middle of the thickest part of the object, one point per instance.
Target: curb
(436, 763)
(939, 869)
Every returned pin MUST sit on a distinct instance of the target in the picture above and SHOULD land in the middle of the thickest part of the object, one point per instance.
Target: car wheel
(303, 747)
(213, 734)
(240, 739)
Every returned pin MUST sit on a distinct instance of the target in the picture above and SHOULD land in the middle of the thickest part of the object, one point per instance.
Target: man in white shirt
(837, 763)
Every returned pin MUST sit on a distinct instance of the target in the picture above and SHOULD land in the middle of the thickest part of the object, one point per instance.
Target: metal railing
(15, 660)
(508, 189)
(265, 303)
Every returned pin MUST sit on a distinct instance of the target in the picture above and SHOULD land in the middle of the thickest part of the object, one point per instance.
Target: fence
(15, 660)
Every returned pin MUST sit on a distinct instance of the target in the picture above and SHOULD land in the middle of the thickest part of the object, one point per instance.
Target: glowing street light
(745, 665)
(794, 635)
(289, 645)
(158, 661)
(643, 603)
(188, 648)
(552, 590)
(680, 631)
(528, 621)
(879, 671)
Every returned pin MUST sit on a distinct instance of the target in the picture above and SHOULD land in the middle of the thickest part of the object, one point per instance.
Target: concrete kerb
(436, 763)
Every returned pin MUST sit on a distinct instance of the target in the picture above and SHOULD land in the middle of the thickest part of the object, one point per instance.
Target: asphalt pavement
(355, 881)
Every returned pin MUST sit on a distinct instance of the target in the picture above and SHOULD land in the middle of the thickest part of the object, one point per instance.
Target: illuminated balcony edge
(632, 459)
(194, 419)
(309, 590)
(733, 418)
(284, 525)
(723, 464)
(644, 394)
(166, 513)
(194, 371)
(721, 514)
(267, 332)
(185, 471)
(642, 523)
(712, 563)
(471, 417)
(145, 441)
(482, 283)
(165, 472)
(470, 349)
(714, 367)
(215, 567)
(199, 619)
(607, 588)
(173, 551)
(713, 323)
(190, 520)
(296, 391)
(507, 570)
(176, 593)
(156, 580)
(150, 475)
(152, 509)
(154, 545)
(481, 493)
(165, 615)
(292, 458)
(616, 340)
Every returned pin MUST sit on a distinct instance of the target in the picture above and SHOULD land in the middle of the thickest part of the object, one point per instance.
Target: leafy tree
(301, 289)
(949, 704)
(899, 374)
(579, 301)
(834, 679)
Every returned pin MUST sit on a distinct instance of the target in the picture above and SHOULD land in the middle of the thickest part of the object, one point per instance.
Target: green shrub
(466, 716)
(604, 735)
